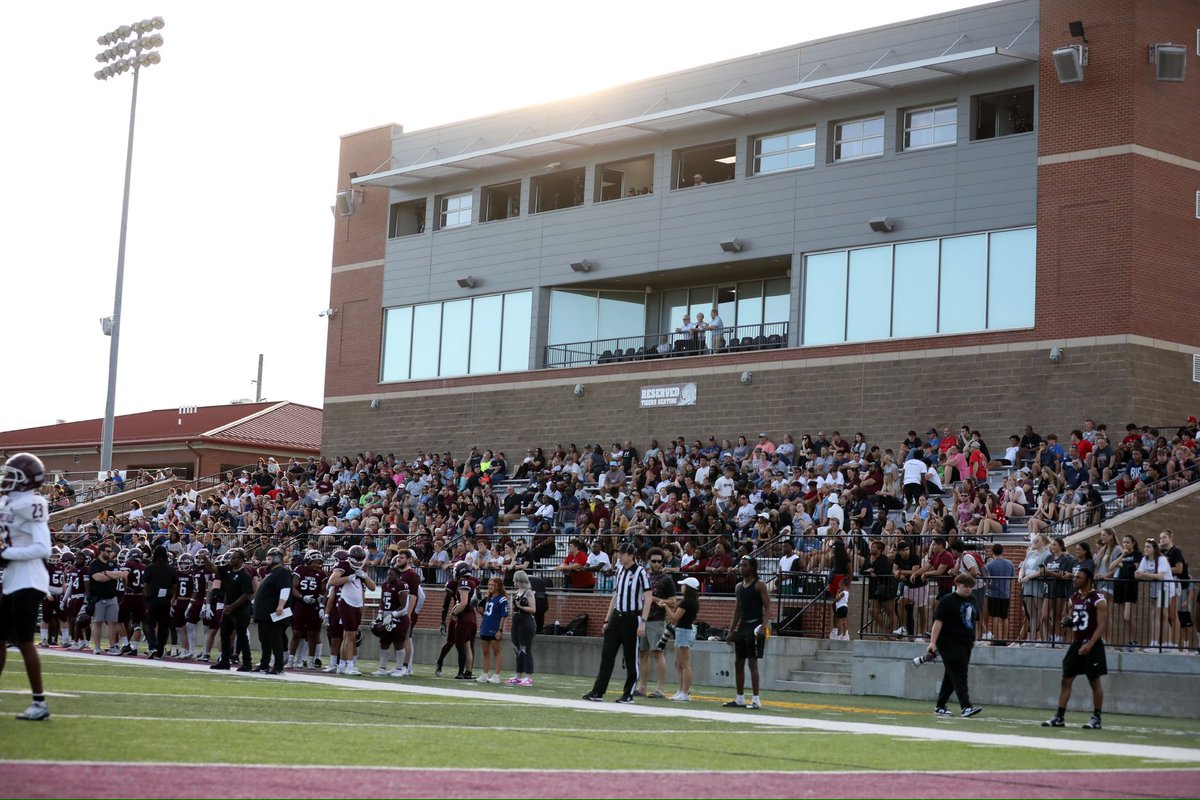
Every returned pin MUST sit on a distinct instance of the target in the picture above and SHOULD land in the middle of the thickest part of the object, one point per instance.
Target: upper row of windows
(992, 116)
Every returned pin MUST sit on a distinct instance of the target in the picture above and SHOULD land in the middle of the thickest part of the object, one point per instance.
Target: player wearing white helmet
(183, 599)
(24, 547)
(50, 611)
(350, 577)
(308, 592)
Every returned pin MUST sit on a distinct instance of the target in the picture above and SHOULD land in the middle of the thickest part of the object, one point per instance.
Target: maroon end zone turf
(19, 779)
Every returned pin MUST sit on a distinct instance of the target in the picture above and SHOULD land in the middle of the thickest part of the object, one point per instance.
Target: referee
(624, 623)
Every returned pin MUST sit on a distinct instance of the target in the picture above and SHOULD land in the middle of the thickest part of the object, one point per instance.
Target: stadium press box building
(989, 216)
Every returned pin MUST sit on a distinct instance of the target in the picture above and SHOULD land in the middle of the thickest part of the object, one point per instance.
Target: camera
(668, 634)
(925, 658)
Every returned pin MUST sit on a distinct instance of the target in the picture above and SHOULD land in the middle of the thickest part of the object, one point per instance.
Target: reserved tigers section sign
(671, 394)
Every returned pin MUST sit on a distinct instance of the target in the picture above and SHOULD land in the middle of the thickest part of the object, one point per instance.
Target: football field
(167, 729)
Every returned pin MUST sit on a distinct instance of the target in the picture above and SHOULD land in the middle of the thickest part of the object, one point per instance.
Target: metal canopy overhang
(793, 96)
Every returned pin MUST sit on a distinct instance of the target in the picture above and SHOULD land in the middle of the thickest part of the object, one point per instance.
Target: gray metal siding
(965, 187)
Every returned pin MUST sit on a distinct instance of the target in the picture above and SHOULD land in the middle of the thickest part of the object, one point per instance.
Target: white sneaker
(900, 631)
(833, 635)
(987, 637)
(379, 673)
(96, 651)
(35, 712)
(484, 678)
(495, 678)
(398, 672)
(114, 650)
(331, 668)
(351, 671)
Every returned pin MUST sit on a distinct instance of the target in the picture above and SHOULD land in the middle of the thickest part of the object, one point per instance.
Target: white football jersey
(24, 528)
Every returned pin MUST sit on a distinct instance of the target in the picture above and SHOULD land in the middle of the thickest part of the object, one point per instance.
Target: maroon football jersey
(56, 575)
(467, 583)
(185, 584)
(1083, 614)
(137, 573)
(394, 597)
(75, 576)
(312, 581)
(201, 576)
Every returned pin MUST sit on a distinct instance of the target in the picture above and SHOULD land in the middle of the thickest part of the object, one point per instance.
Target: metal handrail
(1083, 519)
(741, 338)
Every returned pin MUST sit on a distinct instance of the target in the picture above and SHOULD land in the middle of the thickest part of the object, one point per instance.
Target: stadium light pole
(121, 57)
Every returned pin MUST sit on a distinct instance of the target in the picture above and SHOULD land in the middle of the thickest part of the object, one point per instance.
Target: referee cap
(629, 549)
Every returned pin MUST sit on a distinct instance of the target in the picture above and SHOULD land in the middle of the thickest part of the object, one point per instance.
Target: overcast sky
(235, 162)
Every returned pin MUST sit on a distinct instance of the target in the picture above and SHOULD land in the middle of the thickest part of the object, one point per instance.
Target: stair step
(814, 688)
(821, 665)
(819, 676)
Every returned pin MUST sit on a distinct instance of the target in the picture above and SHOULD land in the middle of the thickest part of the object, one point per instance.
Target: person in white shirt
(25, 546)
(915, 475)
(835, 510)
(723, 488)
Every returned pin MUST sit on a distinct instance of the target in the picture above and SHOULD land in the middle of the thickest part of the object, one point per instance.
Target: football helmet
(274, 556)
(85, 555)
(462, 568)
(341, 554)
(357, 556)
(23, 472)
(55, 556)
(65, 556)
(313, 555)
(186, 562)
(203, 557)
(123, 555)
(83, 620)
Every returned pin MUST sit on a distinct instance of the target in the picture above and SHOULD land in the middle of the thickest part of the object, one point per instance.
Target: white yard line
(580, 774)
(957, 731)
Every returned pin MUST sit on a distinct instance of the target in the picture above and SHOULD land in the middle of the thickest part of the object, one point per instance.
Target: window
(959, 284)
(454, 210)
(502, 201)
(708, 163)
(555, 191)
(930, 127)
(631, 178)
(1002, 114)
(783, 151)
(406, 219)
(585, 315)
(457, 337)
(859, 138)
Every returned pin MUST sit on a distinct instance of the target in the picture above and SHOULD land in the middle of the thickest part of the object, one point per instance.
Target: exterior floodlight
(467, 282)
(582, 265)
(345, 203)
(882, 224)
(1069, 62)
(731, 246)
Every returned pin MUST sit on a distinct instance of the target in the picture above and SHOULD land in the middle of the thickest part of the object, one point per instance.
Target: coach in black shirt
(159, 583)
(238, 587)
(271, 598)
(623, 624)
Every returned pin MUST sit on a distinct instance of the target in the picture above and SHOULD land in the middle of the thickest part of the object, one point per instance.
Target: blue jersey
(494, 611)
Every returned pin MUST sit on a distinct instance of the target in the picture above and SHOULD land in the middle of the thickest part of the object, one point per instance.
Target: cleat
(381, 672)
(733, 704)
(656, 694)
(754, 704)
(316, 663)
(330, 669)
(593, 697)
(1092, 724)
(1054, 722)
(244, 668)
(35, 712)
(352, 671)
(437, 673)
(625, 699)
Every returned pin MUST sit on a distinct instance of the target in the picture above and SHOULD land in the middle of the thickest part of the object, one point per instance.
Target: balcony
(740, 339)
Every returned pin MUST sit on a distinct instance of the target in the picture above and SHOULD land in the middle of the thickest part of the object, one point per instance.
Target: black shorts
(1093, 664)
(19, 615)
(1125, 592)
(997, 607)
(913, 492)
(746, 645)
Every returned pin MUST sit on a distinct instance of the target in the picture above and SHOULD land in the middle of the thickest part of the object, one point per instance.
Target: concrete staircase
(826, 671)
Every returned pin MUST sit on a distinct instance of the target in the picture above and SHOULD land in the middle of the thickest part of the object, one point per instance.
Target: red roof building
(197, 440)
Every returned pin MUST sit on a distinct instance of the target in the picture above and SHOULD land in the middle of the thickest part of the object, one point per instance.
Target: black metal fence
(764, 336)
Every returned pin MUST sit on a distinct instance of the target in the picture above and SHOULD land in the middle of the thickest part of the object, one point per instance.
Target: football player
(391, 624)
(333, 621)
(465, 621)
(24, 548)
(183, 598)
(50, 628)
(131, 613)
(308, 589)
(202, 575)
(404, 561)
(451, 591)
(74, 583)
(214, 607)
(350, 577)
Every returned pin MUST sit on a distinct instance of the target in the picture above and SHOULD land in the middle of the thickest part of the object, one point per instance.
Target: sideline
(956, 732)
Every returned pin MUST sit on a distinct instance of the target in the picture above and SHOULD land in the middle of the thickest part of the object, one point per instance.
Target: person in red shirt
(941, 567)
(1082, 445)
(574, 566)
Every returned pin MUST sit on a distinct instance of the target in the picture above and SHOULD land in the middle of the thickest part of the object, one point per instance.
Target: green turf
(140, 713)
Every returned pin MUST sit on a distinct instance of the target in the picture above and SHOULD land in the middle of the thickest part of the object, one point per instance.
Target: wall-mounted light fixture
(582, 265)
(1169, 60)
(1056, 354)
(1069, 62)
(329, 312)
(579, 390)
(747, 377)
(467, 283)
(732, 246)
(882, 224)
(375, 404)
(344, 205)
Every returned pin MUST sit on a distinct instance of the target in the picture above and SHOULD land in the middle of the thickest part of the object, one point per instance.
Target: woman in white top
(1013, 499)
(1033, 596)
(1157, 570)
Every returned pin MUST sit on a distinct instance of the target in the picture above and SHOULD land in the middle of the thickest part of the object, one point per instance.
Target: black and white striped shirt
(630, 588)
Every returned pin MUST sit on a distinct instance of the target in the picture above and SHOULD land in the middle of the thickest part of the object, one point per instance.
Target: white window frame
(757, 155)
(838, 141)
(908, 126)
(445, 213)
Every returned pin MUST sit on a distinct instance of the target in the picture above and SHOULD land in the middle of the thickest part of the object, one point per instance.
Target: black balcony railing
(742, 338)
